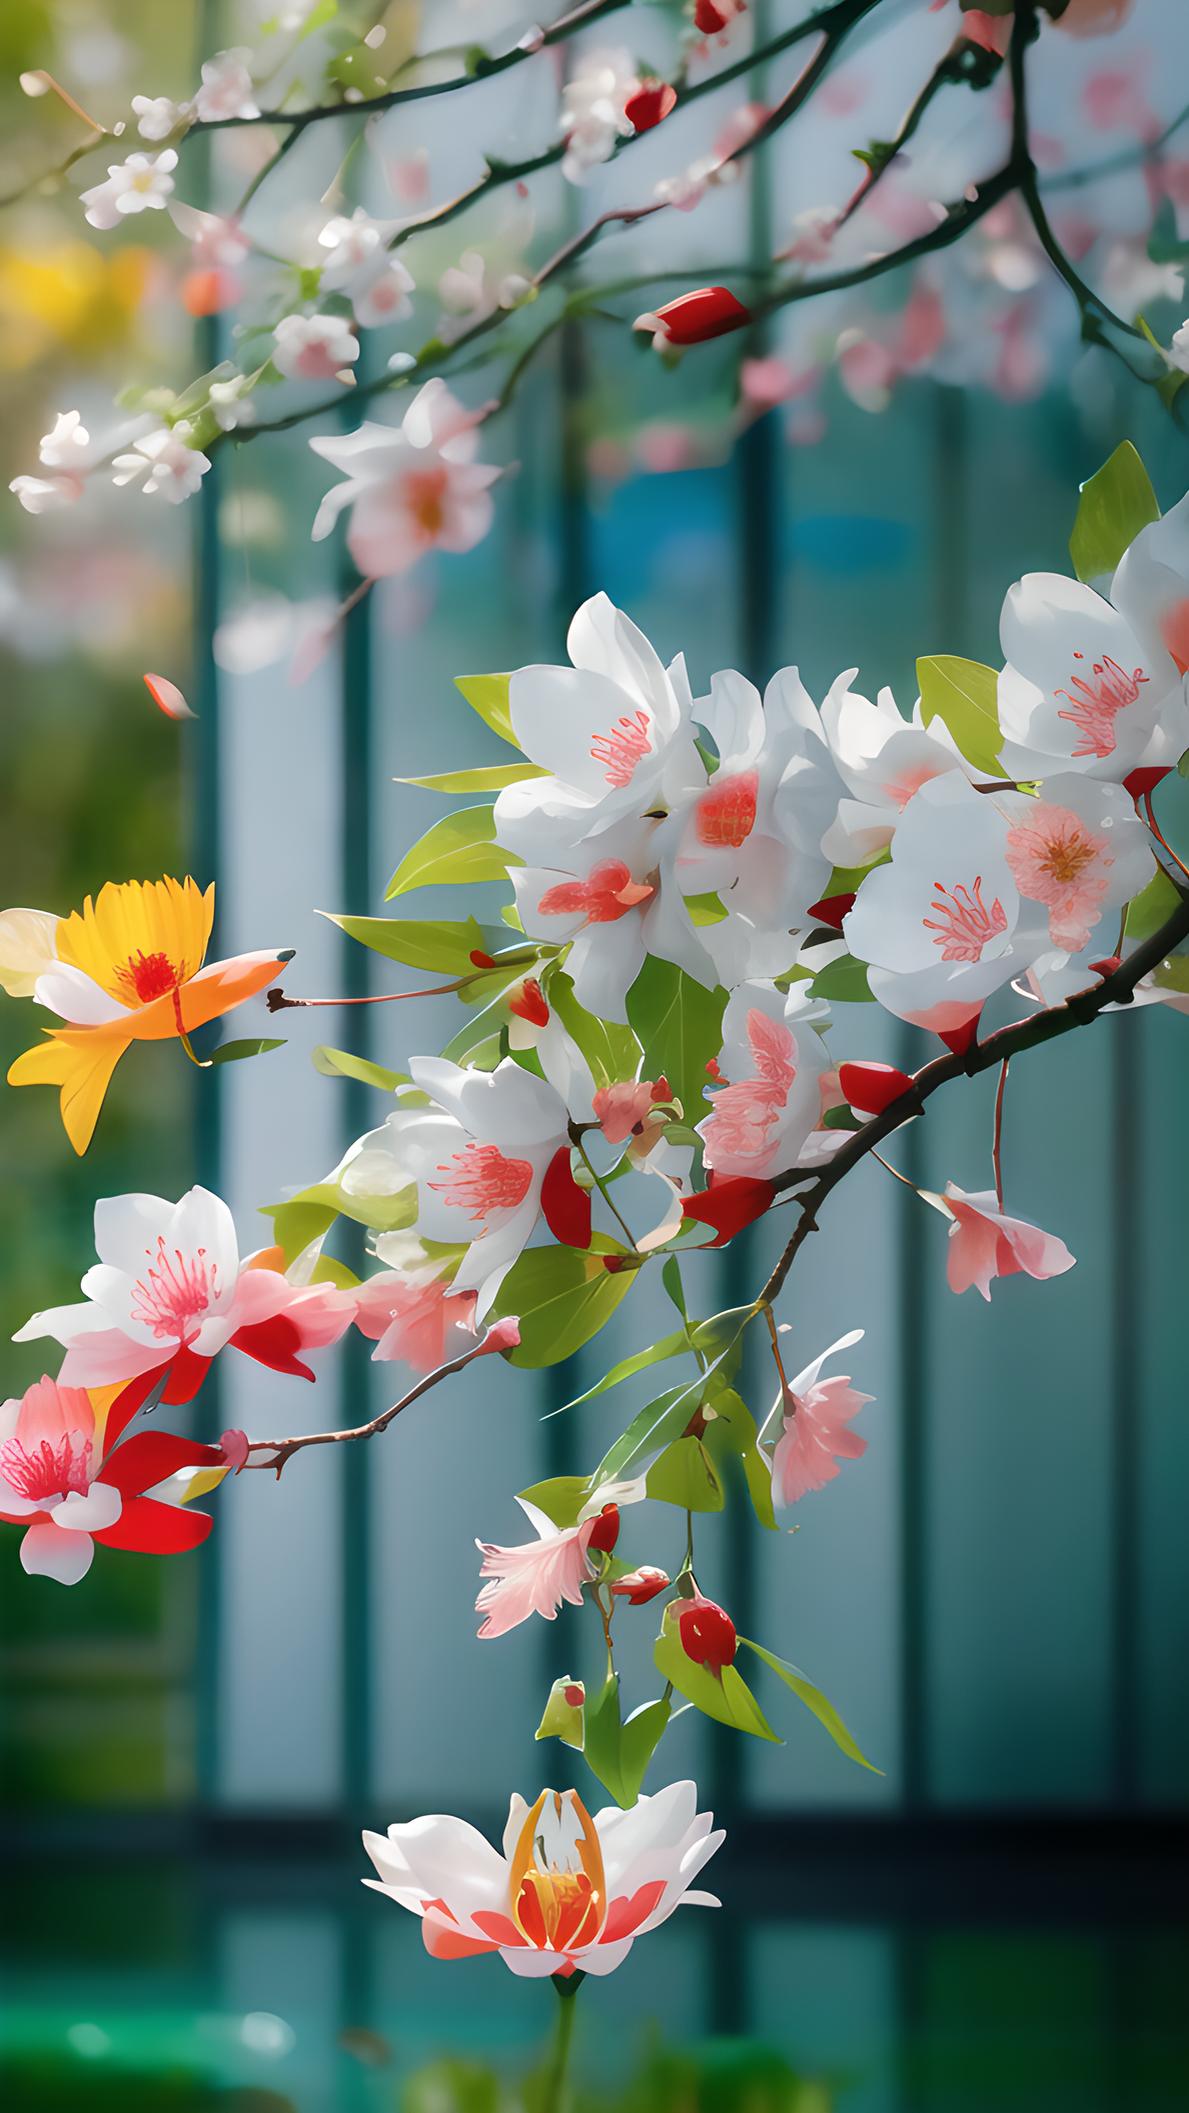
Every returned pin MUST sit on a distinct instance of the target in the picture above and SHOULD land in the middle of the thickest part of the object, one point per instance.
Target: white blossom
(593, 118)
(138, 185)
(227, 87)
(157, 116)
(163, 464)
(314, 347)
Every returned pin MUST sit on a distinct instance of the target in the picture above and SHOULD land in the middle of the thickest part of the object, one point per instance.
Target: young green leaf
(561, 1498)
(619, 1754)
(235, 1052)
(461, 847)
(685, 1475)
(1152, 907)
(488, 777)
(843, 981)
(611, 1051)
(814, 1700)
(439, 945)
(732, 1432)
(963, 694)
(1116, 502)
(656, 1353)
(340, 1063)
(488, 695)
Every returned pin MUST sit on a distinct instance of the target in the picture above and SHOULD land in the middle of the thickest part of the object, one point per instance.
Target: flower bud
(872, 1087)
(832, 909)
(481, 960)
(730, 1205)
(562, 1716)
(605, 1531)
(707, 1634)
(639, 1586)
(648, 104)
(528, 1003)
(706, 312)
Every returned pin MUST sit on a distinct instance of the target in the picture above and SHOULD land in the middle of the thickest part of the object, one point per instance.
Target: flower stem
(997, 1137)
(555, 2096)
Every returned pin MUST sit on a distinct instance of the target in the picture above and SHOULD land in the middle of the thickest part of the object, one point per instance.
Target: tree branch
(1007, 1042)
(282, 1449)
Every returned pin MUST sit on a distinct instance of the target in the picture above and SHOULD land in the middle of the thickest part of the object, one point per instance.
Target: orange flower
(128, 967)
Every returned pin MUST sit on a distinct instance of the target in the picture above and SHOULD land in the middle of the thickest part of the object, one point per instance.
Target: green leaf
(489, 777)
(1152, 907)
(340, 1063)
(1172, 973)
(685, 1475)
(235, 1052)
(671, 1279)
(661, 1421)
(561, 1498)
(561, 1299)
(1116, 502)
(461, 847)
(705, 909)
(732, 1430)
(724, 1696)
(561, 1719)
(814, 1700)
(295, 1224)
(669, 1346)
(619, 1754)
(437, 944)
(843, 981)
(303, 1217)
(964, 695)
(611, 1051)
(488, 695)
(679, 1027)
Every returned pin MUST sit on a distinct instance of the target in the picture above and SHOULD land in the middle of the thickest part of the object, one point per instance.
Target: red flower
(707, 1634)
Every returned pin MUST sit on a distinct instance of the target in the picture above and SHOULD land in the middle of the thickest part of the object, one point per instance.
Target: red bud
(730, 1205)
(1107, 966)
(832, 909)
(707, 1634)
(872, 1087)
(662, 1090)
(605, 1531)
(528, 1003)
(648, 104)
(713, 1071)
(707, 312)
(960, 1039)
(574, 1694)
(711, 16)
(481, 960)
(639, 1586)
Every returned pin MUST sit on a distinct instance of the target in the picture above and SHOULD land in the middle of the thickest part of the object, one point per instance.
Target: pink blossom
(535, 1577)
(814, 1435)
(1057, 859)
(985, 1244)
(415, 1317)
(412, 488)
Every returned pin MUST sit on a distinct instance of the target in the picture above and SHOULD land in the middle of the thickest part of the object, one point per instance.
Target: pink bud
(234, 1447)
(502, 1335)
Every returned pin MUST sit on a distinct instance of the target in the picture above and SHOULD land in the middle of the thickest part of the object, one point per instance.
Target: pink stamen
(47, 1470)
(175, 1289)
(964, 924)
(480, 1180)
(623, 748)
(1099, 698)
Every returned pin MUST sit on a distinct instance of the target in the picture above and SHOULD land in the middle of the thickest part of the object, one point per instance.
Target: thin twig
(282, 1449)
(997, 1132)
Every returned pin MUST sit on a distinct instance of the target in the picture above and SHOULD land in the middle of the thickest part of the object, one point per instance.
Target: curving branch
(281, 1450)
(1116, 989)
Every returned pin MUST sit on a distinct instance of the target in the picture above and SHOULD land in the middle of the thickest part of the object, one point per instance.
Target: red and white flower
(568, 1892)
(814, 1433)
(1080, 690)
(169, 1292)
(613, 733)
(411, 488)
(535, 1577)
(985, 1243)
(882, 759)
(490, 1152)
(774, 1062)
(64, 1478)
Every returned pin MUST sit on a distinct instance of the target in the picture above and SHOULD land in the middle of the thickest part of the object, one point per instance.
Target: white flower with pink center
(49, 1467)
(1151, 585)
(477, 1156)
(614, 900)
(612, 733)
(411, 488)
(1080, 690)
(360, 264)
(314, 347)
(943, 926)
(410, 1308)
(568, 1892)
(227, 89)
(169, 1292)
(1057, 860)
(882, 759)
(815, 1429)
(538, 1577)
(773, 1064)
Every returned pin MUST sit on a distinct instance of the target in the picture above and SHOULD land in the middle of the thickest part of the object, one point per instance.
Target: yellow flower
(129, 968)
